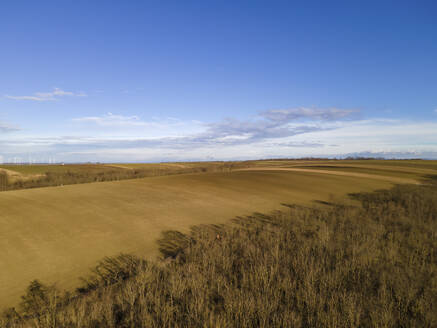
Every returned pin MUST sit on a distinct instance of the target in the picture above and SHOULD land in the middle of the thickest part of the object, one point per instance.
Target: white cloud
(377, 135)
(276, 133)
(4, 127)
(113, 120)
(305, 113)
(48, 96)
(129, 122)
(136, 90)
(133, 126)
(276, 123)
(268, 124)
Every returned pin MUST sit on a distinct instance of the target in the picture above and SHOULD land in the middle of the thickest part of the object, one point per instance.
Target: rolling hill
(55, 234)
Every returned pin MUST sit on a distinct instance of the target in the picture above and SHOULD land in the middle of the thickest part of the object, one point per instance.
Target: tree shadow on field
(295, 206)
(430, 179)
(324, 202)
(172, 243)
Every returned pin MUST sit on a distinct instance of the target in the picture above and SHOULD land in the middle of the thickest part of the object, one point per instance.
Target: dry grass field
(56, 234)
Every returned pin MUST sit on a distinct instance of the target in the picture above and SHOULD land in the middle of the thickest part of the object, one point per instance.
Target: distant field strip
(341, 173)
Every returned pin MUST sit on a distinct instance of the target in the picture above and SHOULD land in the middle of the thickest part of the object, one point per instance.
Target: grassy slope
(56, 234)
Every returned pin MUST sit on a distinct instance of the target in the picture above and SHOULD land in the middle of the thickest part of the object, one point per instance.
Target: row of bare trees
(4, 181)
(104, 173)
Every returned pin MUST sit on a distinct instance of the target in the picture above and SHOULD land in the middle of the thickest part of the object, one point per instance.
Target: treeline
(4, 181)
(373, 265)
(68, 177)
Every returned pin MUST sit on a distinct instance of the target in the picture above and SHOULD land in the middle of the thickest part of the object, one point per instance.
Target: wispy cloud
(110, 119)
(296, 144)
(275, 123)
(274, 133)
(130, 122)
(48, 96)
(394, 154)
(4, 127)
(235, 131)
(305, 113)
(272, 124)
(136, 90)
(264, 128)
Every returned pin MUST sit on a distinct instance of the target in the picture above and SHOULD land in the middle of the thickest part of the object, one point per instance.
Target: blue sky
(129, 81)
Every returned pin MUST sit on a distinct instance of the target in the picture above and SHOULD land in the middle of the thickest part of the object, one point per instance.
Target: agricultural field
(14, 177)
(56, 234)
